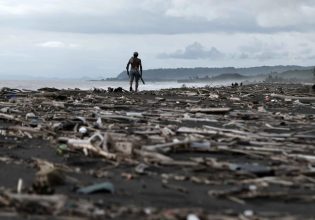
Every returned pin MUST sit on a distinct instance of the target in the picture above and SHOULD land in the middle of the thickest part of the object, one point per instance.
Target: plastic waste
(106, 187)
(192, 217)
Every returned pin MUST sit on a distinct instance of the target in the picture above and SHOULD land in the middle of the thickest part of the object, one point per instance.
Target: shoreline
(211, 151)
(80, 85)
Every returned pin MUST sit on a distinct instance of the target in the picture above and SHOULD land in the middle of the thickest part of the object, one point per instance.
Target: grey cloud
(286, 13)
(194, 51)
(154, 18)
(79, 37)
(141, 22)
(312, 57)
(242, 56)
(262, 55)
(306, 51)
(262, 50)
(269, 55)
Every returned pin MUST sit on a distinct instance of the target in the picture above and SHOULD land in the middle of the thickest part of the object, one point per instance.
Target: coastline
(90, 85)
(214, 151)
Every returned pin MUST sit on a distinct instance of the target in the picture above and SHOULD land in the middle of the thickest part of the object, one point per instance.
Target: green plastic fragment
(97, 188)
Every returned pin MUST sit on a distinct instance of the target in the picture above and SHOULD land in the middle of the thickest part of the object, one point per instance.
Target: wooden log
(7, 117)
(211, 110)
(153, 156)
(301, 98)
(309, 158)
(165, 147)
(86, 145)
(52, 204)
(195, 131)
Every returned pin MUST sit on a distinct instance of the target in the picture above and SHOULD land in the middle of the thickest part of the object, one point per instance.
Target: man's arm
(127, 67)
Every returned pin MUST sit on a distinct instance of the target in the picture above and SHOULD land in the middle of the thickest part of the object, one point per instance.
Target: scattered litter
(164, 148)
(97, 188)
(192, 217)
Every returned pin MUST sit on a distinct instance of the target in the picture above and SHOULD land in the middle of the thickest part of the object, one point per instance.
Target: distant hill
(298, 74)
(307, 75)
(229, 76)
(221, 77)
(192, 73)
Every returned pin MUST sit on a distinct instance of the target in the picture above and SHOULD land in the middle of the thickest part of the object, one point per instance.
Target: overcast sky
(75, 38)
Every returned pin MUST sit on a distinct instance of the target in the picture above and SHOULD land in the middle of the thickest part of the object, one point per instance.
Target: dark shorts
(134, 74)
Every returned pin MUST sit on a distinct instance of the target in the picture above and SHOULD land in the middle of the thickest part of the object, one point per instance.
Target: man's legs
(137, 78)
(132, 76)
(137, 84)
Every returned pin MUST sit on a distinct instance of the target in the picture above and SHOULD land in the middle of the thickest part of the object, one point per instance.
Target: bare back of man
(135, 70)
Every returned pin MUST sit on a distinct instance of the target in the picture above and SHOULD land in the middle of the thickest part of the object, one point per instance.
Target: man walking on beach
(135, 70)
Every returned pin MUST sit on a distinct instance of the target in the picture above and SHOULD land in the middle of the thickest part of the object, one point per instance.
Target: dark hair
(135, 54)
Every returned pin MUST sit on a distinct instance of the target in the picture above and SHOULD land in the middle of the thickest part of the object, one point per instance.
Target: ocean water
(87, 85)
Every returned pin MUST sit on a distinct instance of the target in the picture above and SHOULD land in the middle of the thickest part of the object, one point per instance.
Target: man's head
(135, 54)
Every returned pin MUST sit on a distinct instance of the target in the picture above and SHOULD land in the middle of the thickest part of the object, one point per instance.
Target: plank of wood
(211, 110)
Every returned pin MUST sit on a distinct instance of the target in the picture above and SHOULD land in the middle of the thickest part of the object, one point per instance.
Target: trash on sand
(97, 188)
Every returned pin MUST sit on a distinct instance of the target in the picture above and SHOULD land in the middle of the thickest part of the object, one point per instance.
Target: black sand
(168, 191)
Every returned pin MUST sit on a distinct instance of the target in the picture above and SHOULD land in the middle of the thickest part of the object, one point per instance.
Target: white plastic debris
(83, 130)
(192, 217)
(30, 115)
(175, 140)
(248, 213)
(5, 110)
(97, 108)
(19, 186)
(99, 122)
(148, 211)
(252, 187)
(213, 96)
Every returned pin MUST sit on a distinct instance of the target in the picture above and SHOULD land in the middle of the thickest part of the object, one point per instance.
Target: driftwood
(23, 128)
(189, 140)
(50, 204)
(165, 147)
(211, 110)
(309, 158)
(87, 145)
(8, 117)
(195, 131)
(157, 157)
(301, 98)
(118, 117)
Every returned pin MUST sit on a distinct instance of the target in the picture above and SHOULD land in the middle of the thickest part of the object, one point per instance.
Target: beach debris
(140, 168)
(124, 147)
(38, 204)
(97, 188)
(93, 145)
(211, 110)
(83, 130)
(192, 217)
(19, 186)
(225, 150)
(256, 169)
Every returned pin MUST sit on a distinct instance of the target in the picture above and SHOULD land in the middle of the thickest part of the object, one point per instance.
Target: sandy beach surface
(243, 152)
